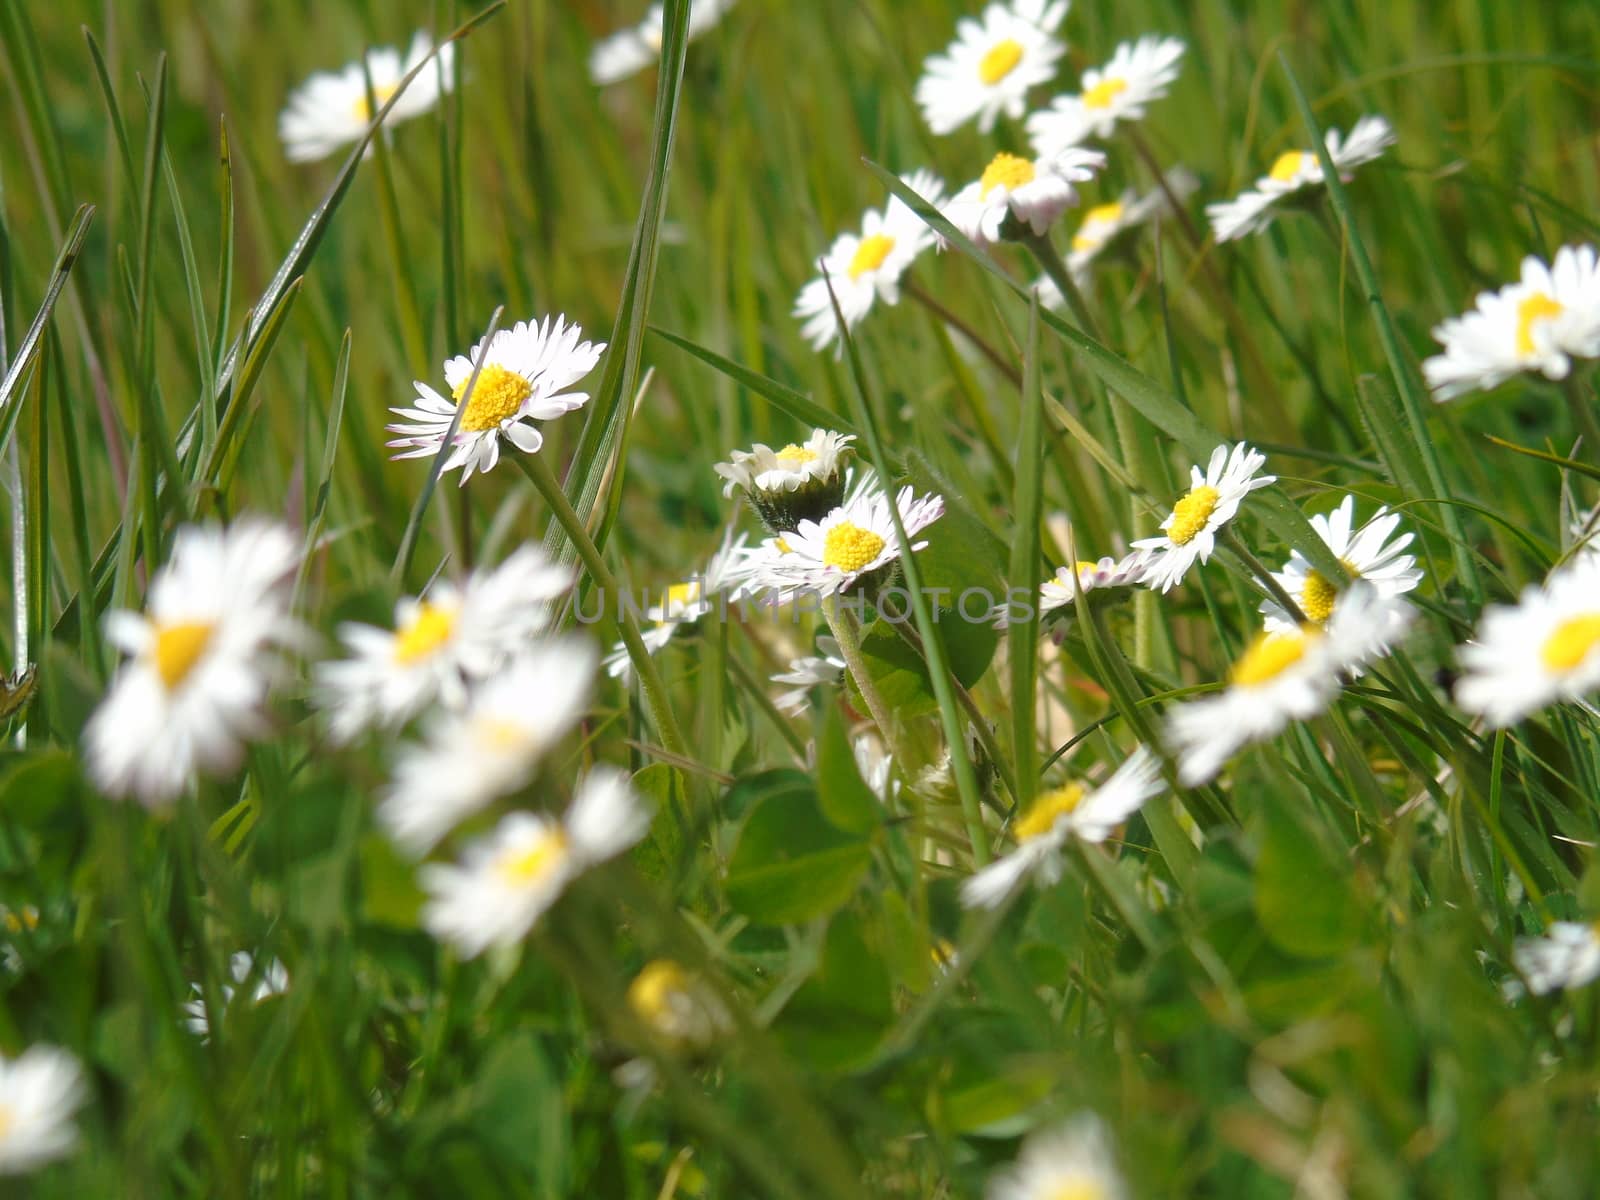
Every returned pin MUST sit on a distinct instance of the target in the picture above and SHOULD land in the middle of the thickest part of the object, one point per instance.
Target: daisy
(824, 669)
(201, 660)
(39, 1092)
(991, 65)
(1567, 956)
(866, 268)
(1033, 190)
(1104, 225)
(854, 541)
(1540, 323)
(1138, 73)
(678, 1006)
(1542, 650)
(786, 486)
(273, 981)
(1071, 811)
(330, 109)
(1252, 211)
(455, 635)
(491, 748)
(1372, 552)
(1062, 589)
(507, 880)
(629, 51)
(1069, 1162)
(1190, 531)
(685, 603)
(526, 371)
(1283, 676)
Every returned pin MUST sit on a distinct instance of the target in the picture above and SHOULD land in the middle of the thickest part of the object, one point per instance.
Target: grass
(1288, 984)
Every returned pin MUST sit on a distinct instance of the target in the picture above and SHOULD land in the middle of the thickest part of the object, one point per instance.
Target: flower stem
(539, 473)
(1049, 260)
(846, 633)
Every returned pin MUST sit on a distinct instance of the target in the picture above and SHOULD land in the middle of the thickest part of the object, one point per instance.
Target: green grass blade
(1025, 569)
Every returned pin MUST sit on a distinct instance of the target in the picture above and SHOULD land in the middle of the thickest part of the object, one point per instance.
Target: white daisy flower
(330, 109)
(1072, 1161)
(526, 371)
(40, 1090)
(1034, 190)
(455, 635)
(876, 765)
(1104, 225)
(1372, 552)
(823, 669)
(866, 268)
(818, 459)
(1294, 171)
(489, 749)
(629, 51)
(854, 540)
(1189, 533)
(1062, 588)
(1071, 811)
(678, 1006)
(991, 65)
(1540, 323)
(202, 658)
(507, 880)
(1139, 72)
(1567, 956)
(273, 981)
(1284, 676)
(685, 603)
(1540, 651)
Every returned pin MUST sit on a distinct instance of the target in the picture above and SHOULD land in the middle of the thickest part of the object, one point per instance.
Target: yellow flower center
(795, 455)
(783, 546)
(497, 397)
(1189, 515)
(1537, 307)
(1047, 810)
(1082, 567)
(17, 922)
(869, 255)
(1005, 170)
(430, 628)
(1103, 93)
(681, 595)
(850, 547)
(1287, 165)
(8, 1120)
(178, 648)
(1566, 648)
(1087, 237)
(523, 868)
(381, 92)
(1077, 1189)
(654, 988)
(1268, 657)
(493, 734)
(1000, 61)
(1318, 594)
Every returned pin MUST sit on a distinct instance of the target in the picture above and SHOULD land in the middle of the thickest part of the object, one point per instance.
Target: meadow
(727, 742)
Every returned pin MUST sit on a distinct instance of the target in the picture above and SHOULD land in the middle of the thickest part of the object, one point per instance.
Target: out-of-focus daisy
(1062, 588)
(202, 658)
(823, 669)
(1033, 190)
(865, 268)
(786, 486)
(1072, 1161)
(272, 981)
(629, 51)
(526, 371)
(1284, 676)
(1295, 170)
(854, 541)
(440, 643)
(1540, 323)
(1104, 226)
(40, 1090)
(1139, 72)
(330, 109)
(508, 879)
(1372, 552)
(991, 65)
(491, 747)
(1543, 649)
(1567, 956)
(1070, 811)
(678, 1006)
(685, 603)
(1189, 533)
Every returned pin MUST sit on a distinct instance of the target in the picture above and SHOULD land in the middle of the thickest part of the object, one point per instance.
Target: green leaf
(1302, 893)
(791, 863)
(389, 891)
(836, 1018)
(843, 795)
